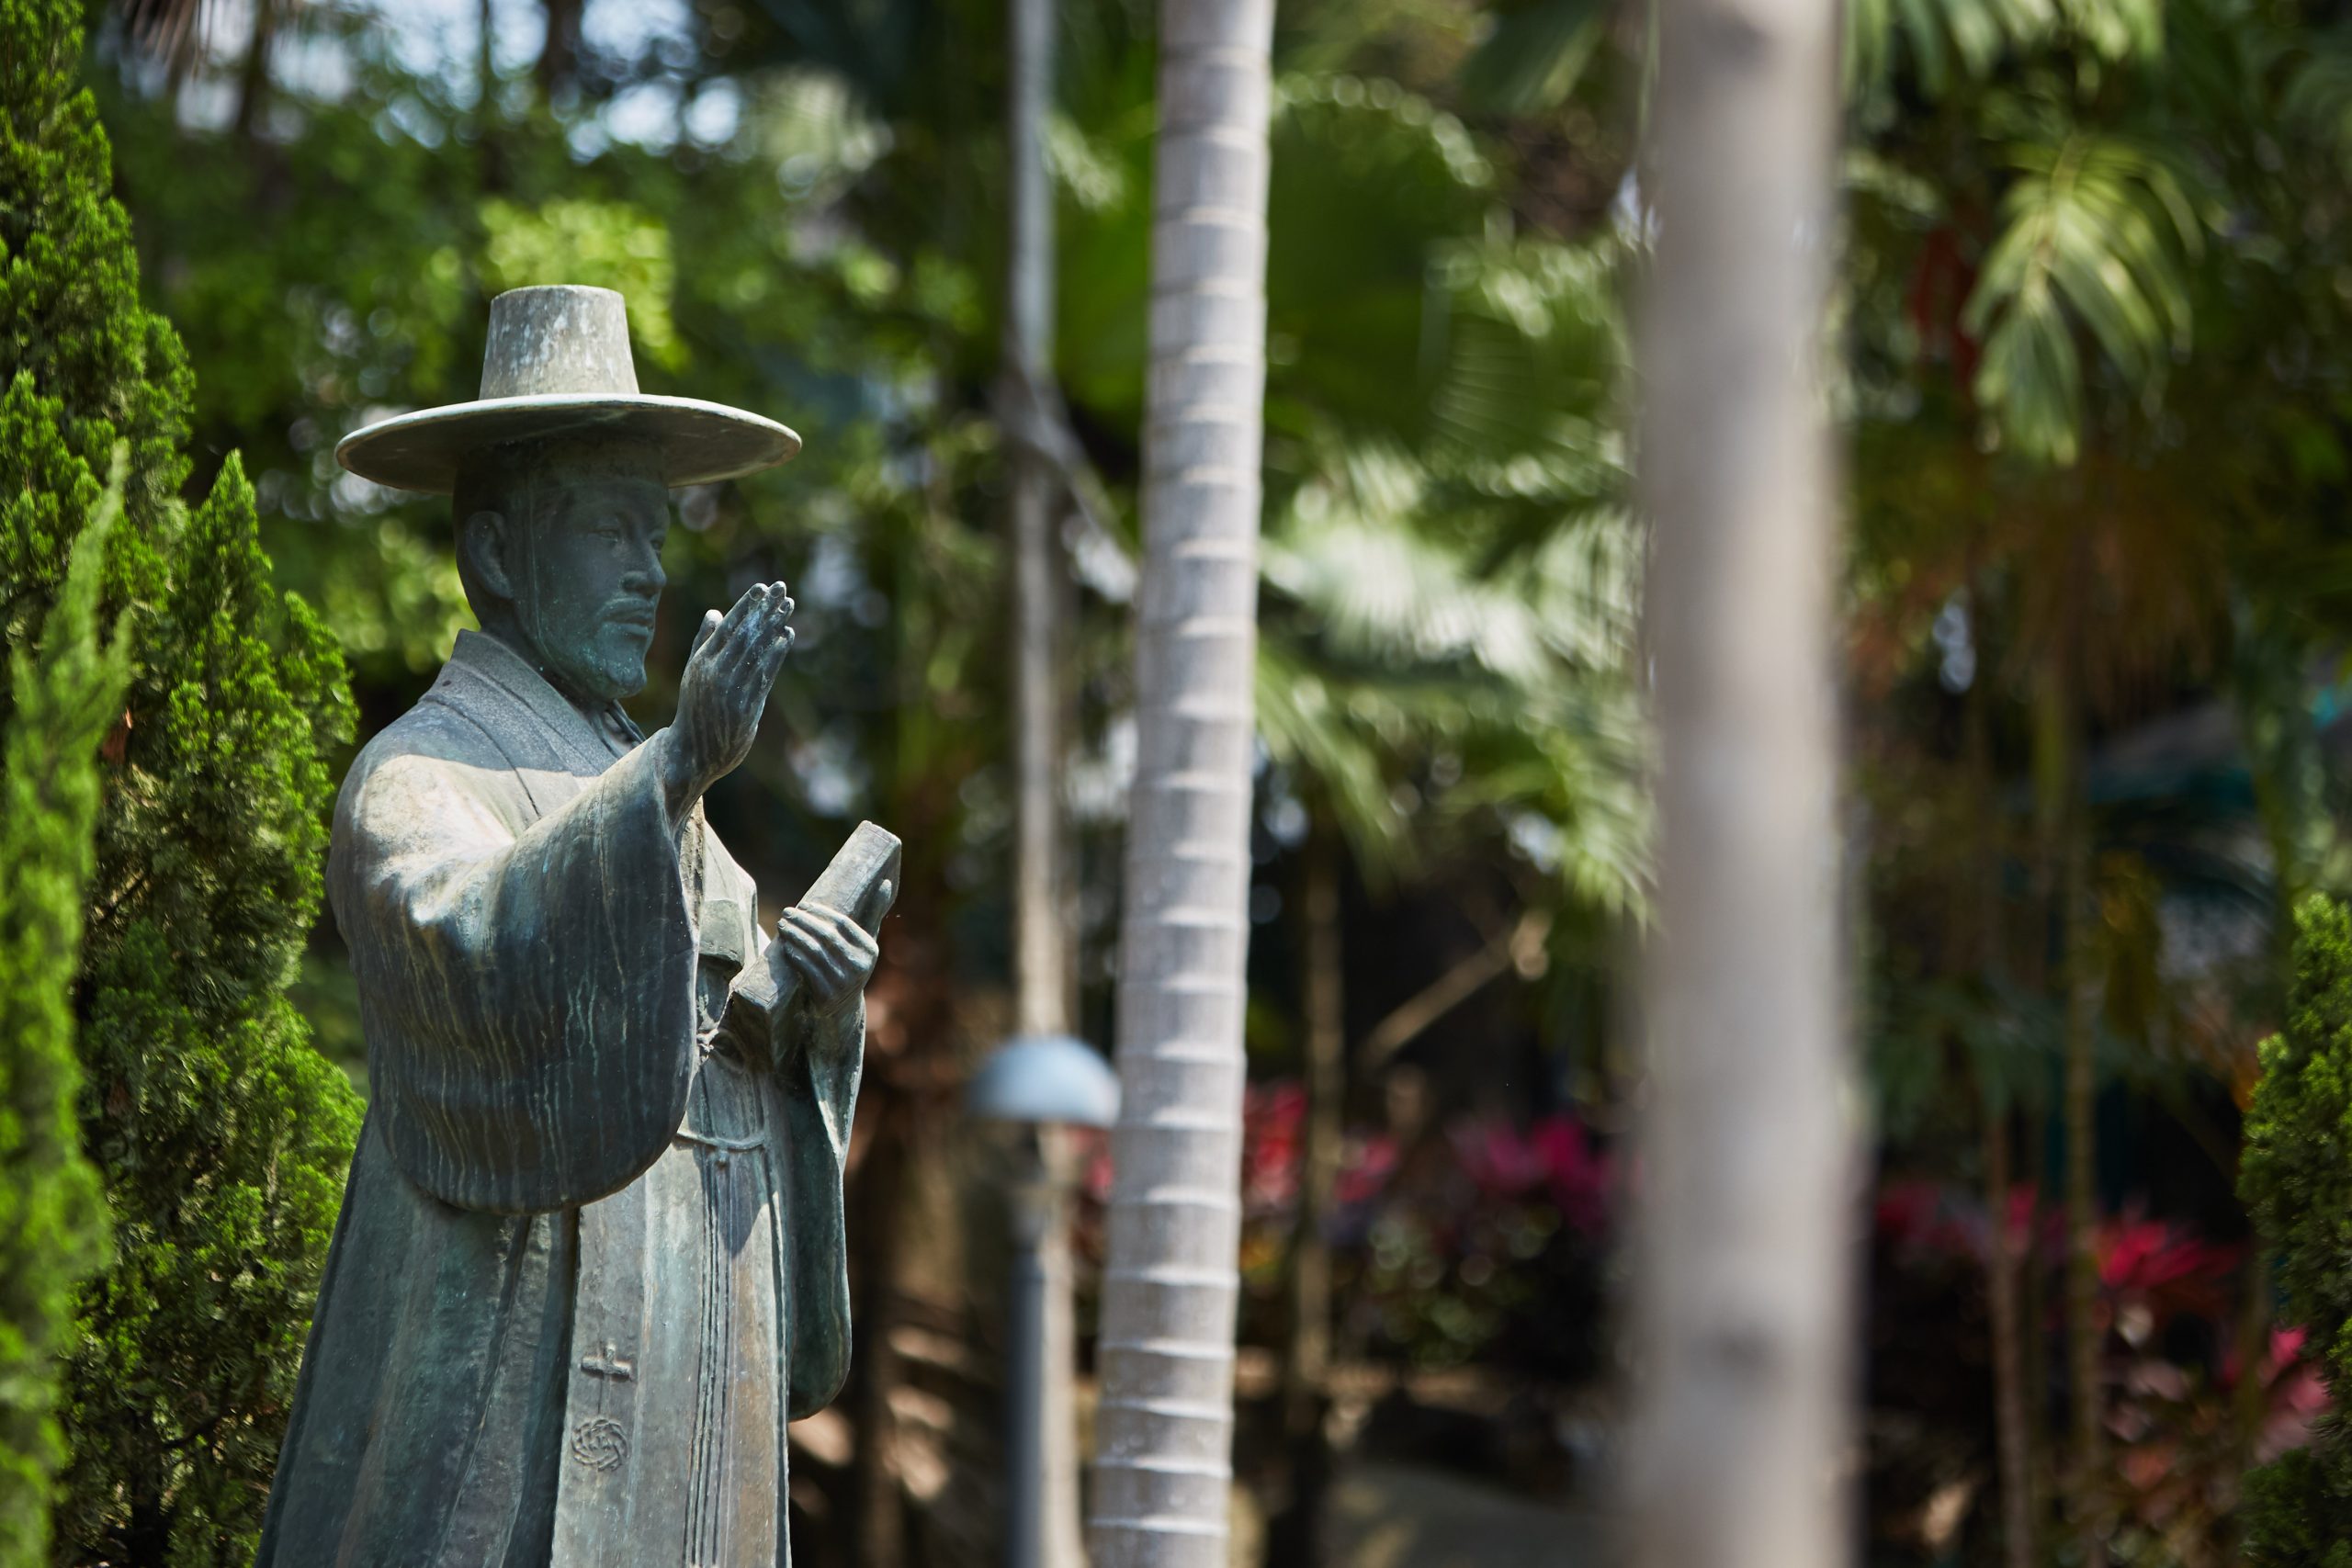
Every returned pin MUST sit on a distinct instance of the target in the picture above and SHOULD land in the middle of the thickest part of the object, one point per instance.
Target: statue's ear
(485, 543)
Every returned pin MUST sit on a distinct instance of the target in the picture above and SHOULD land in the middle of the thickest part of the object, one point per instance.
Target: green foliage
(1941, 41)
(1412, 342)
(1393, 671)
(2296, 1177)
(608, 244)
(2319, 95)
(2288, 1505)
(70, 319)
(52, 1221)
(1450, 573)
(2098, 232)
(1533, 54)
(2045, 197)
(222, 1137)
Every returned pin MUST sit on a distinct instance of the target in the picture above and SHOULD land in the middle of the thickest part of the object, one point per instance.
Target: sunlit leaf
(1942, 43)
(2097, 234)
(1532, 55)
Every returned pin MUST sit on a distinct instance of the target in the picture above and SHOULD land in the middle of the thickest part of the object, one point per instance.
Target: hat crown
(562, 338)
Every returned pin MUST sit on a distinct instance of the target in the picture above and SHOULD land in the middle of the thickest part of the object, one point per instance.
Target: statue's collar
(491, 661)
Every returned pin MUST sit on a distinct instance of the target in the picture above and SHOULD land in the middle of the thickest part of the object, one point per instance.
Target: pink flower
(1365, 1168)
(1582, 1179)
(1555, 1157)
(1492, 1154)
(2147, 1255)
(1270, 1114)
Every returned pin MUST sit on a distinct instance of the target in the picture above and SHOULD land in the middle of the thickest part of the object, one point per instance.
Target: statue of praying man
(590, 1259)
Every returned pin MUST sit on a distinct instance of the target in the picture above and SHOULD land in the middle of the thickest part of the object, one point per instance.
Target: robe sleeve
(527, 994)
(817, 1059)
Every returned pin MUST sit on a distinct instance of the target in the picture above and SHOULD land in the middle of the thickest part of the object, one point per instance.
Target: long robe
(590, 1259)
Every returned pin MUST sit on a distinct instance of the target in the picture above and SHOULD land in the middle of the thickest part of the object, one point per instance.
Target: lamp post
(1039, 1082)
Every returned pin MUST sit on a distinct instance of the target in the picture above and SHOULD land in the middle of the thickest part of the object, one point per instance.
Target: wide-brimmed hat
(558, 365)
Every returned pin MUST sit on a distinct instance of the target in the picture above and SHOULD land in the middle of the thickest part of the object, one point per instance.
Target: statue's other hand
(831, 952)
(734, 664)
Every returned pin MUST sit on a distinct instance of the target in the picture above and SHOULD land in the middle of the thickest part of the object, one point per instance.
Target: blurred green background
(2092, 335)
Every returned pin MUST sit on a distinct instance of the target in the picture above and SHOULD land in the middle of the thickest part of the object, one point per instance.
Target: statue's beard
(604, 664)
(607, 666)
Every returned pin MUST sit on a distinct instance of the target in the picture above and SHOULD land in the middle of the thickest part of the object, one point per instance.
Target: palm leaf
(1386, 645)
(1944, 42)
(2096, 233)
(1532, 55)
(2319, 92)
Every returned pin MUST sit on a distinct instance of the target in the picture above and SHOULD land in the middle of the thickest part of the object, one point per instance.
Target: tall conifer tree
(2296, 1179)
(222, 1137)
(52, 1227)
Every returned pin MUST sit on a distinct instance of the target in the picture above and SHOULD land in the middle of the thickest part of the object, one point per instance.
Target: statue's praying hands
(732, 668)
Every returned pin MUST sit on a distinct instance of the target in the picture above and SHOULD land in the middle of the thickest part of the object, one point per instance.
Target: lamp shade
(1044, 1077)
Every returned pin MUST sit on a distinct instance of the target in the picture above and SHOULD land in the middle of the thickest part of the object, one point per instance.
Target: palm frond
(2319, 94)
(1585, 583)
(1527, 354)
(173, 32)
(1945, 42)
(1533, 54)
(1388, 594)
(1384, 590)
(1368, 180)
(2097, 233)
(1388, 648)
(1311, 727)
(1529, 347)
(1571, 779)
(2117, 29)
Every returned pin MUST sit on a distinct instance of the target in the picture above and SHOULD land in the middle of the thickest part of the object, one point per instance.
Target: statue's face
(561, 545)
(591, 575)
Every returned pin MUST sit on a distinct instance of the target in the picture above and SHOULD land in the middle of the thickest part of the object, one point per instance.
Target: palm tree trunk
(2086, 1386)
(485, 59)
(1742, 1289)
(558, 64)
(2012, 1444)
(253, 76)
(1062, 1543)
(489, 153)
(880, 1196)
(1164, 1443)
(1041, 958)
(1295, 1538)
(2064, 785)
(2250, 1401)
(2034, 1287)
(1041, 932)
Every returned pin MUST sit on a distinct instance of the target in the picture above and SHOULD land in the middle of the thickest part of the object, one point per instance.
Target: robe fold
(590, 1259)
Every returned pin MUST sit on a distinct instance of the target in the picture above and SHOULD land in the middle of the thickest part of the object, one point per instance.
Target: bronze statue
(590, 1259)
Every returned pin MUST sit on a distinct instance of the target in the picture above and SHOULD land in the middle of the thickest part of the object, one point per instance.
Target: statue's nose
(648, 577)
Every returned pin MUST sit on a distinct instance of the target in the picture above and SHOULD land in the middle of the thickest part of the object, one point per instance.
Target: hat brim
(699, 443)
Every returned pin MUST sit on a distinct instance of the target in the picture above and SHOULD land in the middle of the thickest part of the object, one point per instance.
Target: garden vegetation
(219, 1136)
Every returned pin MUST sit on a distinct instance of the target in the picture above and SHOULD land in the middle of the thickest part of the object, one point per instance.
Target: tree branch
(1519, 948)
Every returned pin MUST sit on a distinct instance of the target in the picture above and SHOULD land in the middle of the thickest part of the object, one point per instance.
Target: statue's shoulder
(441, 727)
(442, 744)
